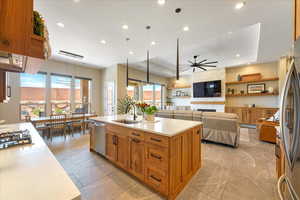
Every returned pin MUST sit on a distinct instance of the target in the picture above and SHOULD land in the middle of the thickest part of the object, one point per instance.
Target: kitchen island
(31, 171)
(164, 154)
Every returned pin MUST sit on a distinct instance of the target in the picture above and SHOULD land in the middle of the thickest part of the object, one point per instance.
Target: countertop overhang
(161, 126)
(31, 171)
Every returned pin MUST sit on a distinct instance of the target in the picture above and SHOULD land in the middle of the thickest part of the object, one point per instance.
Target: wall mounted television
(207, 89)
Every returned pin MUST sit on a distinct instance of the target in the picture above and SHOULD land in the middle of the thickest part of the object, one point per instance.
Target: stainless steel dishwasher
(99, 138)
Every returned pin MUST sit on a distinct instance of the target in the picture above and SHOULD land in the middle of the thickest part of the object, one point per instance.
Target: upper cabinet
(17, 38)
(297, 18)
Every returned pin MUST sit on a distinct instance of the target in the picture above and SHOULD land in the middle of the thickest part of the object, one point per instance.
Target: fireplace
(207, 110)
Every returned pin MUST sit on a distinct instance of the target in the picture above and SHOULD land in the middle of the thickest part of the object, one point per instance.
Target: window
(33, 95)
(158, 96)
(148, 94)
(60, 94)
(82, 95)
(130, 91)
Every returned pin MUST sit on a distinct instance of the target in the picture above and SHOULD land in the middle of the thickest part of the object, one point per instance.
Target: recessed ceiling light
(61, 25)
(239, 5)
(230, 32)
(186, 28)
(103, 41)
(237, 55)
(76, 1)
(153, 43)
(130, 52)
(161, 2)
(125, 27)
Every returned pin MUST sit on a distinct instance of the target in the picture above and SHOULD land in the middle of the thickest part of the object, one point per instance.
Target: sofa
(217, 126)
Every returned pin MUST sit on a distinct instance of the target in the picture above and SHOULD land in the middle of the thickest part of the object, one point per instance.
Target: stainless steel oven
(289, 183)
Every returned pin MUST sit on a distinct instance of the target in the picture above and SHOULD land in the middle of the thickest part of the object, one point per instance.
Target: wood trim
(209, 102)
(254, 81)
(296, 19)
(252, 95)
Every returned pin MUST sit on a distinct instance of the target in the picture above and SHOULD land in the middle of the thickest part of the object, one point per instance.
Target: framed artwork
(256, 88)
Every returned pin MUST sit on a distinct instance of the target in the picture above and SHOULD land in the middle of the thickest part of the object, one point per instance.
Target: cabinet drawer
(157, 157)
(157, 139)
(137, 134)
(157, 180)
(117, 129)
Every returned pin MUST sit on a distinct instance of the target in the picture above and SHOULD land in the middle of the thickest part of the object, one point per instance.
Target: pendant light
(148, 66)
(127, 81)
(148, 59)
(177, 61)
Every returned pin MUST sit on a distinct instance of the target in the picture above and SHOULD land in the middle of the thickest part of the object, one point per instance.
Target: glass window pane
(33, 95)
(130, 91)
(60, 94)
(148, 94)
(82, 95)
(158, 96)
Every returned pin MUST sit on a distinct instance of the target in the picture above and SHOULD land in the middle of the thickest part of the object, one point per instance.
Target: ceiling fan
(202, 64)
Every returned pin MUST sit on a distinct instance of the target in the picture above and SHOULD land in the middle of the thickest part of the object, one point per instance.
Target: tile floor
(245, 173)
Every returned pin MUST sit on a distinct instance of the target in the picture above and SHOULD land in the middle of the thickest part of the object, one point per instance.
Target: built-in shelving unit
(184, 97)
(179, 87)
(250, 95)
(253, 81)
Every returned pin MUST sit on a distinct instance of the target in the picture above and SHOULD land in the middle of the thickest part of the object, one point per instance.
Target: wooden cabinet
(15, 24)
(251, 115)
(136, 157)
(166, 164)
(296, 19)
(111, 148)
(5, 88)
(280, 158)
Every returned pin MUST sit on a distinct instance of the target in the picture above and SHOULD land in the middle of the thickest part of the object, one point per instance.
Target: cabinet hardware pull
(157, 179)
(198, 132)
(155, 156)
(136, 134)
(155, 139)
(8, 91)
(117, 142)
(136, 140)
(5, 42)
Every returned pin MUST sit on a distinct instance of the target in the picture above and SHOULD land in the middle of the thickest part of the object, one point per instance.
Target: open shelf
(179, 87)
(252, 95)
(254, 81)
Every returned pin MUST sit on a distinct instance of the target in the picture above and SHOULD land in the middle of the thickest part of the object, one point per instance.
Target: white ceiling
(260, 32)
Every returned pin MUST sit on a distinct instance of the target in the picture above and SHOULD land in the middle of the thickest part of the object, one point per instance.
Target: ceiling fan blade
(211, 62)
(191, 62)
(203, 68)
(194, 69)
(202, 61)
(204, 65)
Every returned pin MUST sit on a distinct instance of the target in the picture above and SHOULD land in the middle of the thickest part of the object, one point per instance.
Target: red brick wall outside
(38, 94)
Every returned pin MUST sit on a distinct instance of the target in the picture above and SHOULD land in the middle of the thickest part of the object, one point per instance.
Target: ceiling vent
(69, 54)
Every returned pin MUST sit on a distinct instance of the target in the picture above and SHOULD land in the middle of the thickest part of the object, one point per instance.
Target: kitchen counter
(31, 172)
(161, 126)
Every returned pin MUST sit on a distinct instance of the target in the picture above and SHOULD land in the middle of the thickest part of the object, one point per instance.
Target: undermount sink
(126, 121)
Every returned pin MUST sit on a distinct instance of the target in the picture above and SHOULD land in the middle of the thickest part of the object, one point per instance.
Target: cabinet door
(176, 179)
(122, 151)
(2, 86)
(196, 149)
(187, 140)
(15, 25)
(136, 157)
(245, 115)
(111, 148)
(256, 114)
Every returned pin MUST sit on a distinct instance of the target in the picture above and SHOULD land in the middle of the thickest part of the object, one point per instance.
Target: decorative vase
(149, 117)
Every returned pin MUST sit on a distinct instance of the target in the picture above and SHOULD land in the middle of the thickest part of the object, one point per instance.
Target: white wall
(11, 111)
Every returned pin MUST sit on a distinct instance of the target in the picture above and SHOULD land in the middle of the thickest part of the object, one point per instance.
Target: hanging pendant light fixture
(127, 78)
(148, 61)
(177, 61)
(148, 67)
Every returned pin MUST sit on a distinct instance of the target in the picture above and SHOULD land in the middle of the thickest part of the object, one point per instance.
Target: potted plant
(150, 112)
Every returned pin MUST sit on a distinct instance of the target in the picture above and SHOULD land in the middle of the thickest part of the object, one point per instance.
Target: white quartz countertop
(161, 126)
(31, 172)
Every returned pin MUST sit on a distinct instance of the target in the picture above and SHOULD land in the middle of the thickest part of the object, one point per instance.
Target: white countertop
(31, 172)
(161, 126)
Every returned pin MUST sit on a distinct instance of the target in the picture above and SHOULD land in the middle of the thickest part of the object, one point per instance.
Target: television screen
(207, 89)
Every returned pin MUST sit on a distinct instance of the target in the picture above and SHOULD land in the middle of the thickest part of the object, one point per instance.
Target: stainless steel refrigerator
(289, 183)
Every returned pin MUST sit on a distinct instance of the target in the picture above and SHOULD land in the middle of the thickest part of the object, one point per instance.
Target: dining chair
(77, 123)
(57, 123)
(40, 127)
